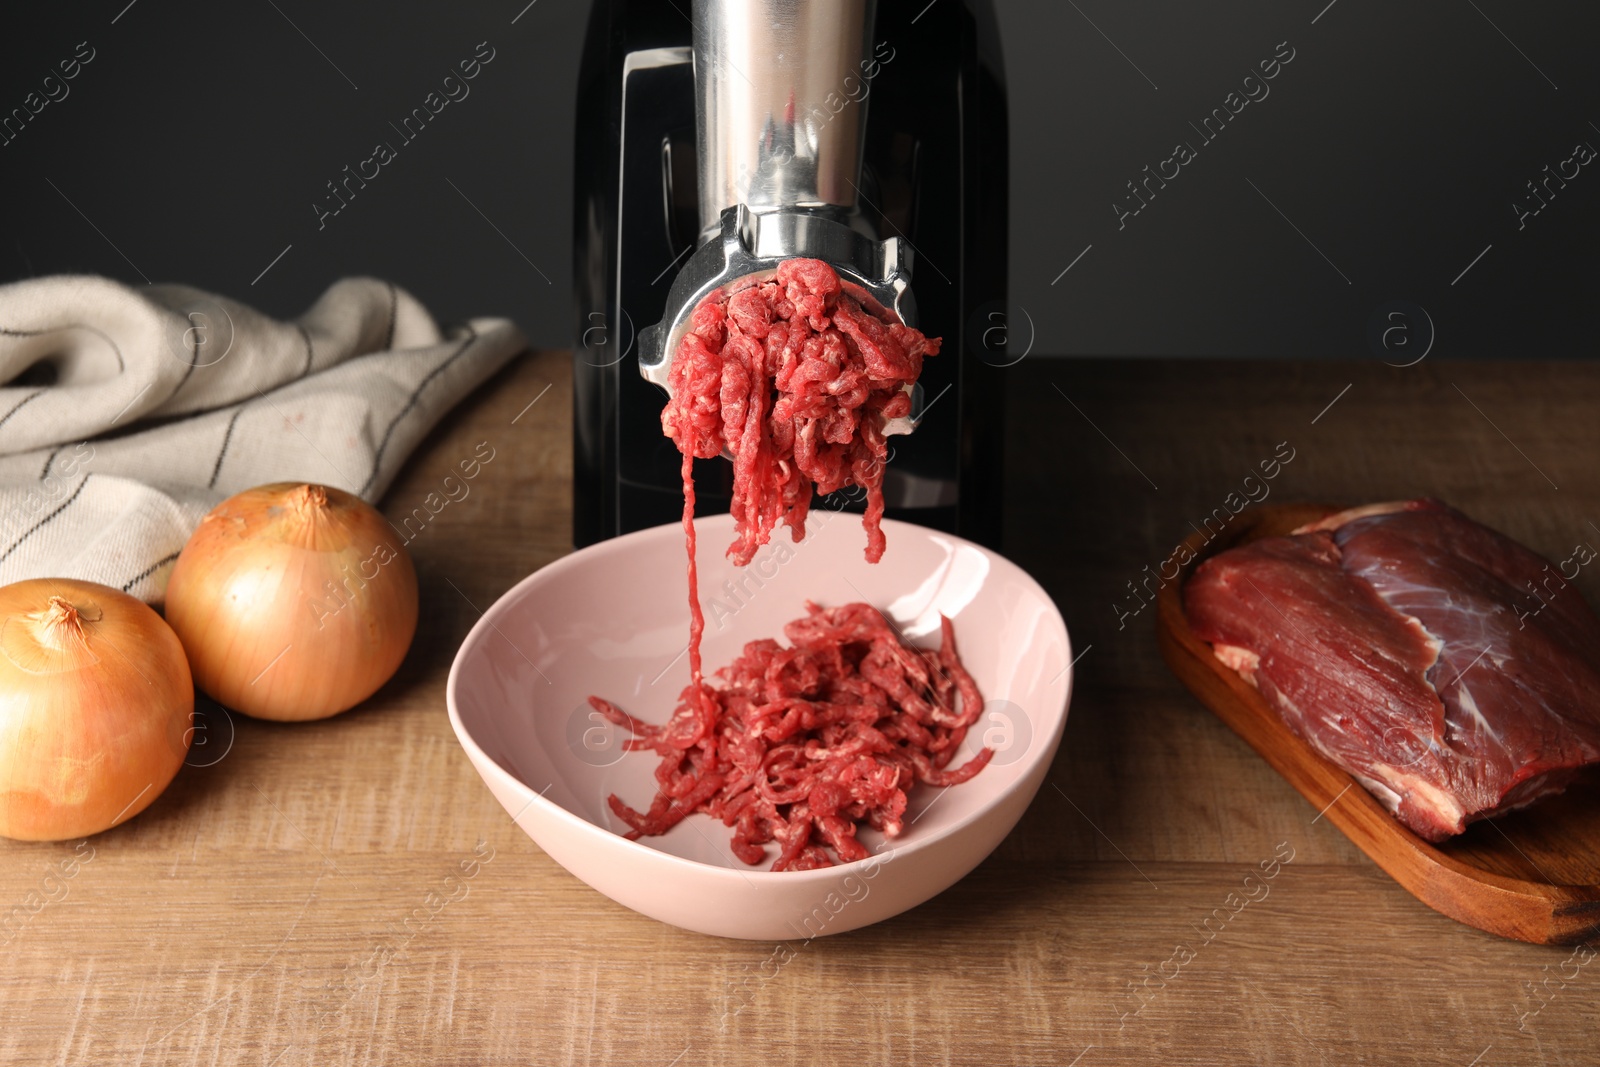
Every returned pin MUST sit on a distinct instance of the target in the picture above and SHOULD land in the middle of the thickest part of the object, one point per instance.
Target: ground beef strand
(794, 378)
(802, 745)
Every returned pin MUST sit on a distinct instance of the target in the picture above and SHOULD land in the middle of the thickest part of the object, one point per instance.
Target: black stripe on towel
(148, 571)
(310, 352)
(194, 360)
(122, 364)
(24, 402)
(377, 459)
(35, 527)
(227, 438)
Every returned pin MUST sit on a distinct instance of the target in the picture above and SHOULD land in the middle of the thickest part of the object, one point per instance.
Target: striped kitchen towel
(127, 413)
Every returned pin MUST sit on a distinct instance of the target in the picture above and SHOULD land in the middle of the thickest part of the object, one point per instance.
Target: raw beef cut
(1452, 671)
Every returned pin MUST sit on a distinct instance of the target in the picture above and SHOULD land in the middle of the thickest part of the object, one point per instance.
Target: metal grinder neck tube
(765, 73)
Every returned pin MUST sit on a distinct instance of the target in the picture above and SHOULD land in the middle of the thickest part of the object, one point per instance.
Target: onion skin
(293, 602)
(96, 708)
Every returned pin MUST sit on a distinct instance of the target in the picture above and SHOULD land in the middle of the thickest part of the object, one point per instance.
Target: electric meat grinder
(716, 140)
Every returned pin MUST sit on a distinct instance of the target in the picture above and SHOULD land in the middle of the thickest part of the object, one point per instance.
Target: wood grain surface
(1498, 876)
(287, 902)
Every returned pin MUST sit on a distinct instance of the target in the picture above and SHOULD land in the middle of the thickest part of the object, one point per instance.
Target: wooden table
(256, 913)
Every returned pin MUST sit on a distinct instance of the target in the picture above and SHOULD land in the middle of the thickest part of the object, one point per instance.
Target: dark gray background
(194, 144)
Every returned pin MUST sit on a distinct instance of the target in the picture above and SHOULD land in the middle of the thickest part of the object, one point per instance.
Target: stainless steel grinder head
(747, 252)
(779, 164)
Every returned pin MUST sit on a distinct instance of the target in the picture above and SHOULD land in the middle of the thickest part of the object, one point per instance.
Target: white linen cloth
(127, 413)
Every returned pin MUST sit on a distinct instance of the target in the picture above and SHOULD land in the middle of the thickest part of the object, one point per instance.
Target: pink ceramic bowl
(613, 620)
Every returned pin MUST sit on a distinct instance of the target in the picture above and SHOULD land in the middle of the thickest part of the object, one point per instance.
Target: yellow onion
(96, 708)
(293, 601)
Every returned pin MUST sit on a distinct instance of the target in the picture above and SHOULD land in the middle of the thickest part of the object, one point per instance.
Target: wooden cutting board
(1533, 875)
